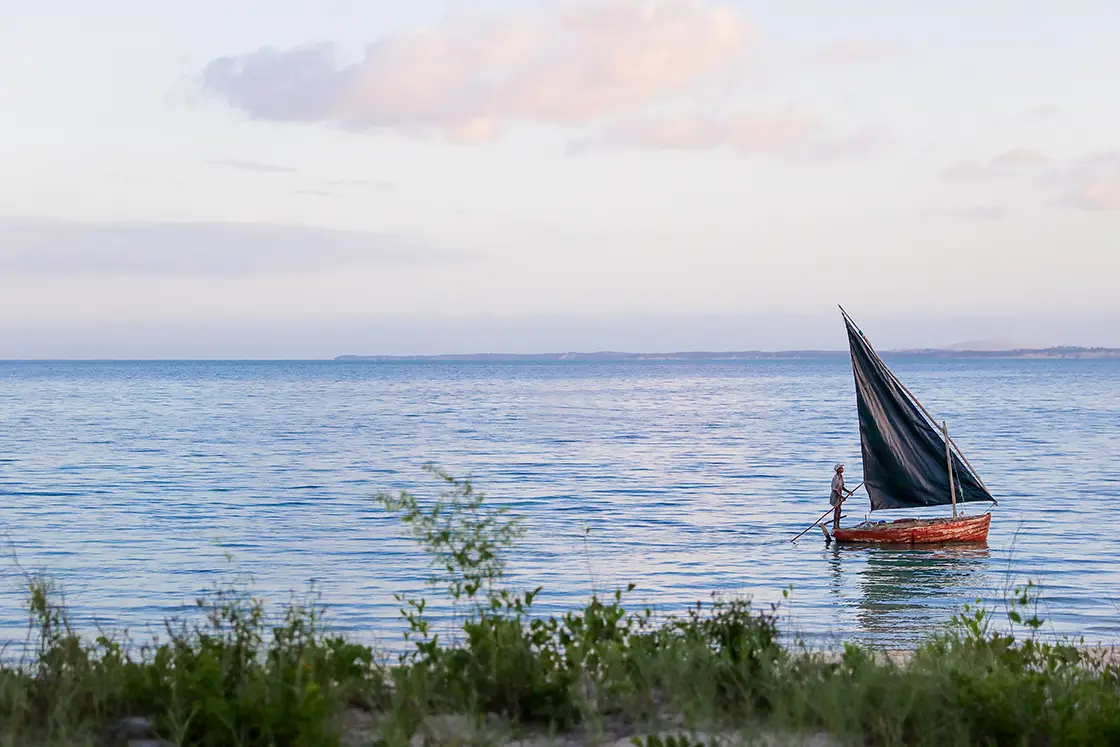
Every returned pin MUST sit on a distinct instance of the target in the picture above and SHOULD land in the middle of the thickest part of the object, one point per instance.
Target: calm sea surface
(137, 485)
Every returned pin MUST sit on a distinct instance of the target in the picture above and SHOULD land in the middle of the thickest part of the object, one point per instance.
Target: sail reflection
(904, 591)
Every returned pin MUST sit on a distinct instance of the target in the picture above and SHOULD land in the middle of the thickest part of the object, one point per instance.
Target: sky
(283, 179)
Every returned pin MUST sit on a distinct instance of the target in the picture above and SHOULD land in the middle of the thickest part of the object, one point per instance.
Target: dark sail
(904, 464)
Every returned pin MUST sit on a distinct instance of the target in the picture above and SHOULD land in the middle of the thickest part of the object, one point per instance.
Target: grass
(236, 674)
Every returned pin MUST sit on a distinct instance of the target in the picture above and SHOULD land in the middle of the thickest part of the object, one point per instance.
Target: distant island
(742, 355)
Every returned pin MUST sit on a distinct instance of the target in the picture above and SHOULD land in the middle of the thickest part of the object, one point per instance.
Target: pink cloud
(1088, 183)
(575, 64)
(1096, 194)
(1093, 182)
(855, 51)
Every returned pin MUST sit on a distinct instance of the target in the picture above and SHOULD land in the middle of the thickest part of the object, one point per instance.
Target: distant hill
(962, 350)
(1067, 351)
(604, 355)
(991, 346)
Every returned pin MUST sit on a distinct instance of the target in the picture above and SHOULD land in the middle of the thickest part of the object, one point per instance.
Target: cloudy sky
(281, 178)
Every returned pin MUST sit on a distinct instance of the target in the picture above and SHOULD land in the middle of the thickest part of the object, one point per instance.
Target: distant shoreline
(613, 356)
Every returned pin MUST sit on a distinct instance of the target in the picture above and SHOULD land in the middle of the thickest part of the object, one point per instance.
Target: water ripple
(138, 485)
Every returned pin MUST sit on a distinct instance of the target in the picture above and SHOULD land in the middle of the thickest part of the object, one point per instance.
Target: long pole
(826, 513)
(818, 521)
(949, 459)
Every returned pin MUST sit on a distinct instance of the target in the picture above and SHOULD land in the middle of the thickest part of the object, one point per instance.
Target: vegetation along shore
(239, 674)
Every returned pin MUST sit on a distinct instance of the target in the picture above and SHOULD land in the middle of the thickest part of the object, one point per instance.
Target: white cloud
(47, 246)
(1009, 164)
(835, 147)
(983, 213)
(855, 51)
(1038, 113)
(253, 166)
(792, 133)
(769, 132)
(576, 64)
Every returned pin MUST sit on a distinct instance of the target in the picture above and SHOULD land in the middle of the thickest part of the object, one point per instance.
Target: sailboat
(909, 461)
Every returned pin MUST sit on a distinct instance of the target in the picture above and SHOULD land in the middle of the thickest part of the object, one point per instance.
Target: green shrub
(507, 661)
(231, 679)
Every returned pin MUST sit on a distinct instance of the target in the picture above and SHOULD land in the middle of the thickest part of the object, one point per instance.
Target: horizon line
(1026, 352)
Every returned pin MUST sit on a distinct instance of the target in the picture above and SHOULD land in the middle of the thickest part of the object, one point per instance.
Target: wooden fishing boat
(918, 531)
(909, 461)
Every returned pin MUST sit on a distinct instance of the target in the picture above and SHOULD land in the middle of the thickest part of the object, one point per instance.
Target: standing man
(837, 496)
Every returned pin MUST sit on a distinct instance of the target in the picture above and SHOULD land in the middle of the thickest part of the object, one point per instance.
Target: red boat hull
(919, 531)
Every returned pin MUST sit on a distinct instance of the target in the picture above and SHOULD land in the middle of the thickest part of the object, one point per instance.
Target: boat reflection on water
(905, 590)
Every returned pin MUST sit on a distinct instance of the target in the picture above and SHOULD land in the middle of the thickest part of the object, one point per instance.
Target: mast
(949, 459)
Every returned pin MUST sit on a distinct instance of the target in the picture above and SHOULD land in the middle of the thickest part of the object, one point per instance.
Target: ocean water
(138, 485)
